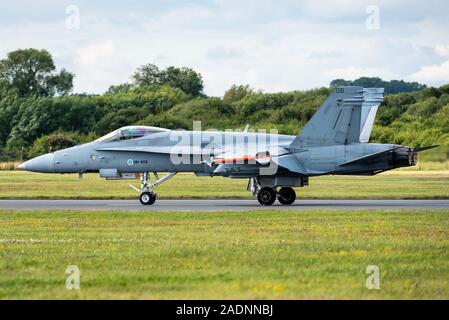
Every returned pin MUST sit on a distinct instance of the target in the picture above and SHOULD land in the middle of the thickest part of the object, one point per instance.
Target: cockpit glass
(109, 137)
(130, 132)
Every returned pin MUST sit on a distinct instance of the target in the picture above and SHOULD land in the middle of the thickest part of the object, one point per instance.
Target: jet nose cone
(22, 166)
(43, 163)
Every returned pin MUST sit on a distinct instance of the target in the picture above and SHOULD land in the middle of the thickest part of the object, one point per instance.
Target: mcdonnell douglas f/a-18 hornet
(333, 142)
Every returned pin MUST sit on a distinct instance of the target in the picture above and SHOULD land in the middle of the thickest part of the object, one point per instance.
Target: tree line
(393, 86)
(39, 114)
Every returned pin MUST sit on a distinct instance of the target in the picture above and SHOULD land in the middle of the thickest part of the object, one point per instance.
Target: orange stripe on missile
(244, 158)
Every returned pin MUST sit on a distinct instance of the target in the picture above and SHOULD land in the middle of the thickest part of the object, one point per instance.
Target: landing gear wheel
(286, 195)
(147, 198)
(266, 196)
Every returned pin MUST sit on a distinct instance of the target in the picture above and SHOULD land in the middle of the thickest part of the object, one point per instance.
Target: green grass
(250, 255)
(395, 185)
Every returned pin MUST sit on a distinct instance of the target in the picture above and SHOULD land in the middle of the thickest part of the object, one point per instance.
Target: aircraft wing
(289, 162)
(419, 149)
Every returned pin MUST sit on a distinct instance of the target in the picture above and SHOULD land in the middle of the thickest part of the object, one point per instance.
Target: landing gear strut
(147, 195)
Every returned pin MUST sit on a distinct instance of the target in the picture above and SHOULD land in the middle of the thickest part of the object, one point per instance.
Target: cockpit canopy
(130, 132)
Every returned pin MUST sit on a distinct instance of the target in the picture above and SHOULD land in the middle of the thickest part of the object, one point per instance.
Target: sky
(271, 45)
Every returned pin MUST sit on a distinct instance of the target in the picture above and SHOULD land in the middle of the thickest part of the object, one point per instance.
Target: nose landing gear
(147, 198)
(147, 195)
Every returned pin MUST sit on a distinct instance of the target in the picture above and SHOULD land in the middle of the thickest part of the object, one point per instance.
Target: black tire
(266, 196)
(286, 195)
(147, 198)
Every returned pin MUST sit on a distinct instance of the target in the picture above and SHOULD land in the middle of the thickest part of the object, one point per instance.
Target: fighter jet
(334, 142)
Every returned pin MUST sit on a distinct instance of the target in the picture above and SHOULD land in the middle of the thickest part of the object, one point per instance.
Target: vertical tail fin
(347, 116)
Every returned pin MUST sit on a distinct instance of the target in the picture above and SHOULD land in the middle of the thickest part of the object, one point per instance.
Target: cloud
(436, 74)
(270, 45)
(330, 9)
(96, 55)
(224, 53)
(352, 73)
(191, 17)
(442, 50)
(100, 64)
(327, 55)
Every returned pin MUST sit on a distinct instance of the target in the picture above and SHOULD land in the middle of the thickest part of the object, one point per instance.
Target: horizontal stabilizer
(419, 149)
(368, 157)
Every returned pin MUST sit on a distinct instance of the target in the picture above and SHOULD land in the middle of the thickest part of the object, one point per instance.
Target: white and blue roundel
(130, 162)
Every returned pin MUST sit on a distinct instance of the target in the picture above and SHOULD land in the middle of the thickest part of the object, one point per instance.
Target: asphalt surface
(220, 205)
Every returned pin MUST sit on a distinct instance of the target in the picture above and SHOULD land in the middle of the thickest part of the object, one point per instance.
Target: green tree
(186, 79)
(340, 83)
(166, 121)
(146, 75)
(121, 118)
(212, 112)
(393, 86)
(236, 93)
(51, 143)
(121, 88)
(32, 72)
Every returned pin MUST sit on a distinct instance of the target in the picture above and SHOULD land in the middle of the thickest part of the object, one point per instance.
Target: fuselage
(191, 151)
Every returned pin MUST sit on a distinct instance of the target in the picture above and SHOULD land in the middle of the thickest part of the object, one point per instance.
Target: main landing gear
(147, 194)
(286, 195)
(267, 195)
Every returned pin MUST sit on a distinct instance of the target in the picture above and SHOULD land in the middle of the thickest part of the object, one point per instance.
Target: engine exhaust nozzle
(405, 157)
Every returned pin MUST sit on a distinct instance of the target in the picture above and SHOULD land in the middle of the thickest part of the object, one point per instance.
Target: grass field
(392, 185)
(253, 255)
